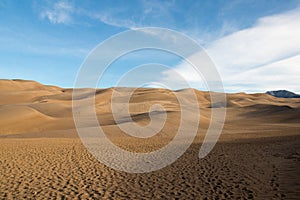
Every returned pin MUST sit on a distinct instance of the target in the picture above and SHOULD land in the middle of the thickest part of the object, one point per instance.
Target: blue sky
(254, 44)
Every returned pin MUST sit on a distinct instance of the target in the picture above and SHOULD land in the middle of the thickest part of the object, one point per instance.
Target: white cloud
(271, 39)
(184, 75)
(59, 14)
(264, 57)
(283, 74)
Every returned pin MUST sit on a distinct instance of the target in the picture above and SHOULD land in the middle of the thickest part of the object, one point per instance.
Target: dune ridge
(38, 104)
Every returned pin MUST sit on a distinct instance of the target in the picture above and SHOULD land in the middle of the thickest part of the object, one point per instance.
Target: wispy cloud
(149, 14)
(266, 55)
(59, 13)
(108, 19)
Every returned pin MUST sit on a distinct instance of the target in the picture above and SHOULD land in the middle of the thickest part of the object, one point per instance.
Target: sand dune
(41, 155)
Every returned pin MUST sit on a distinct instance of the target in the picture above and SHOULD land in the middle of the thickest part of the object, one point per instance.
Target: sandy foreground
(42, 156)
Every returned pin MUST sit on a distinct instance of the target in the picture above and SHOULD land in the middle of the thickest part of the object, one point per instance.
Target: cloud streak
(106, 18)
(263, 57)
(272, 38)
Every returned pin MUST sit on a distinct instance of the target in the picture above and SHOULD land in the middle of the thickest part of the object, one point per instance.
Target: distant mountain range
(283, 94)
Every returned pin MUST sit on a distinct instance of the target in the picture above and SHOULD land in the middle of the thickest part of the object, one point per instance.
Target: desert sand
(41, 155)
